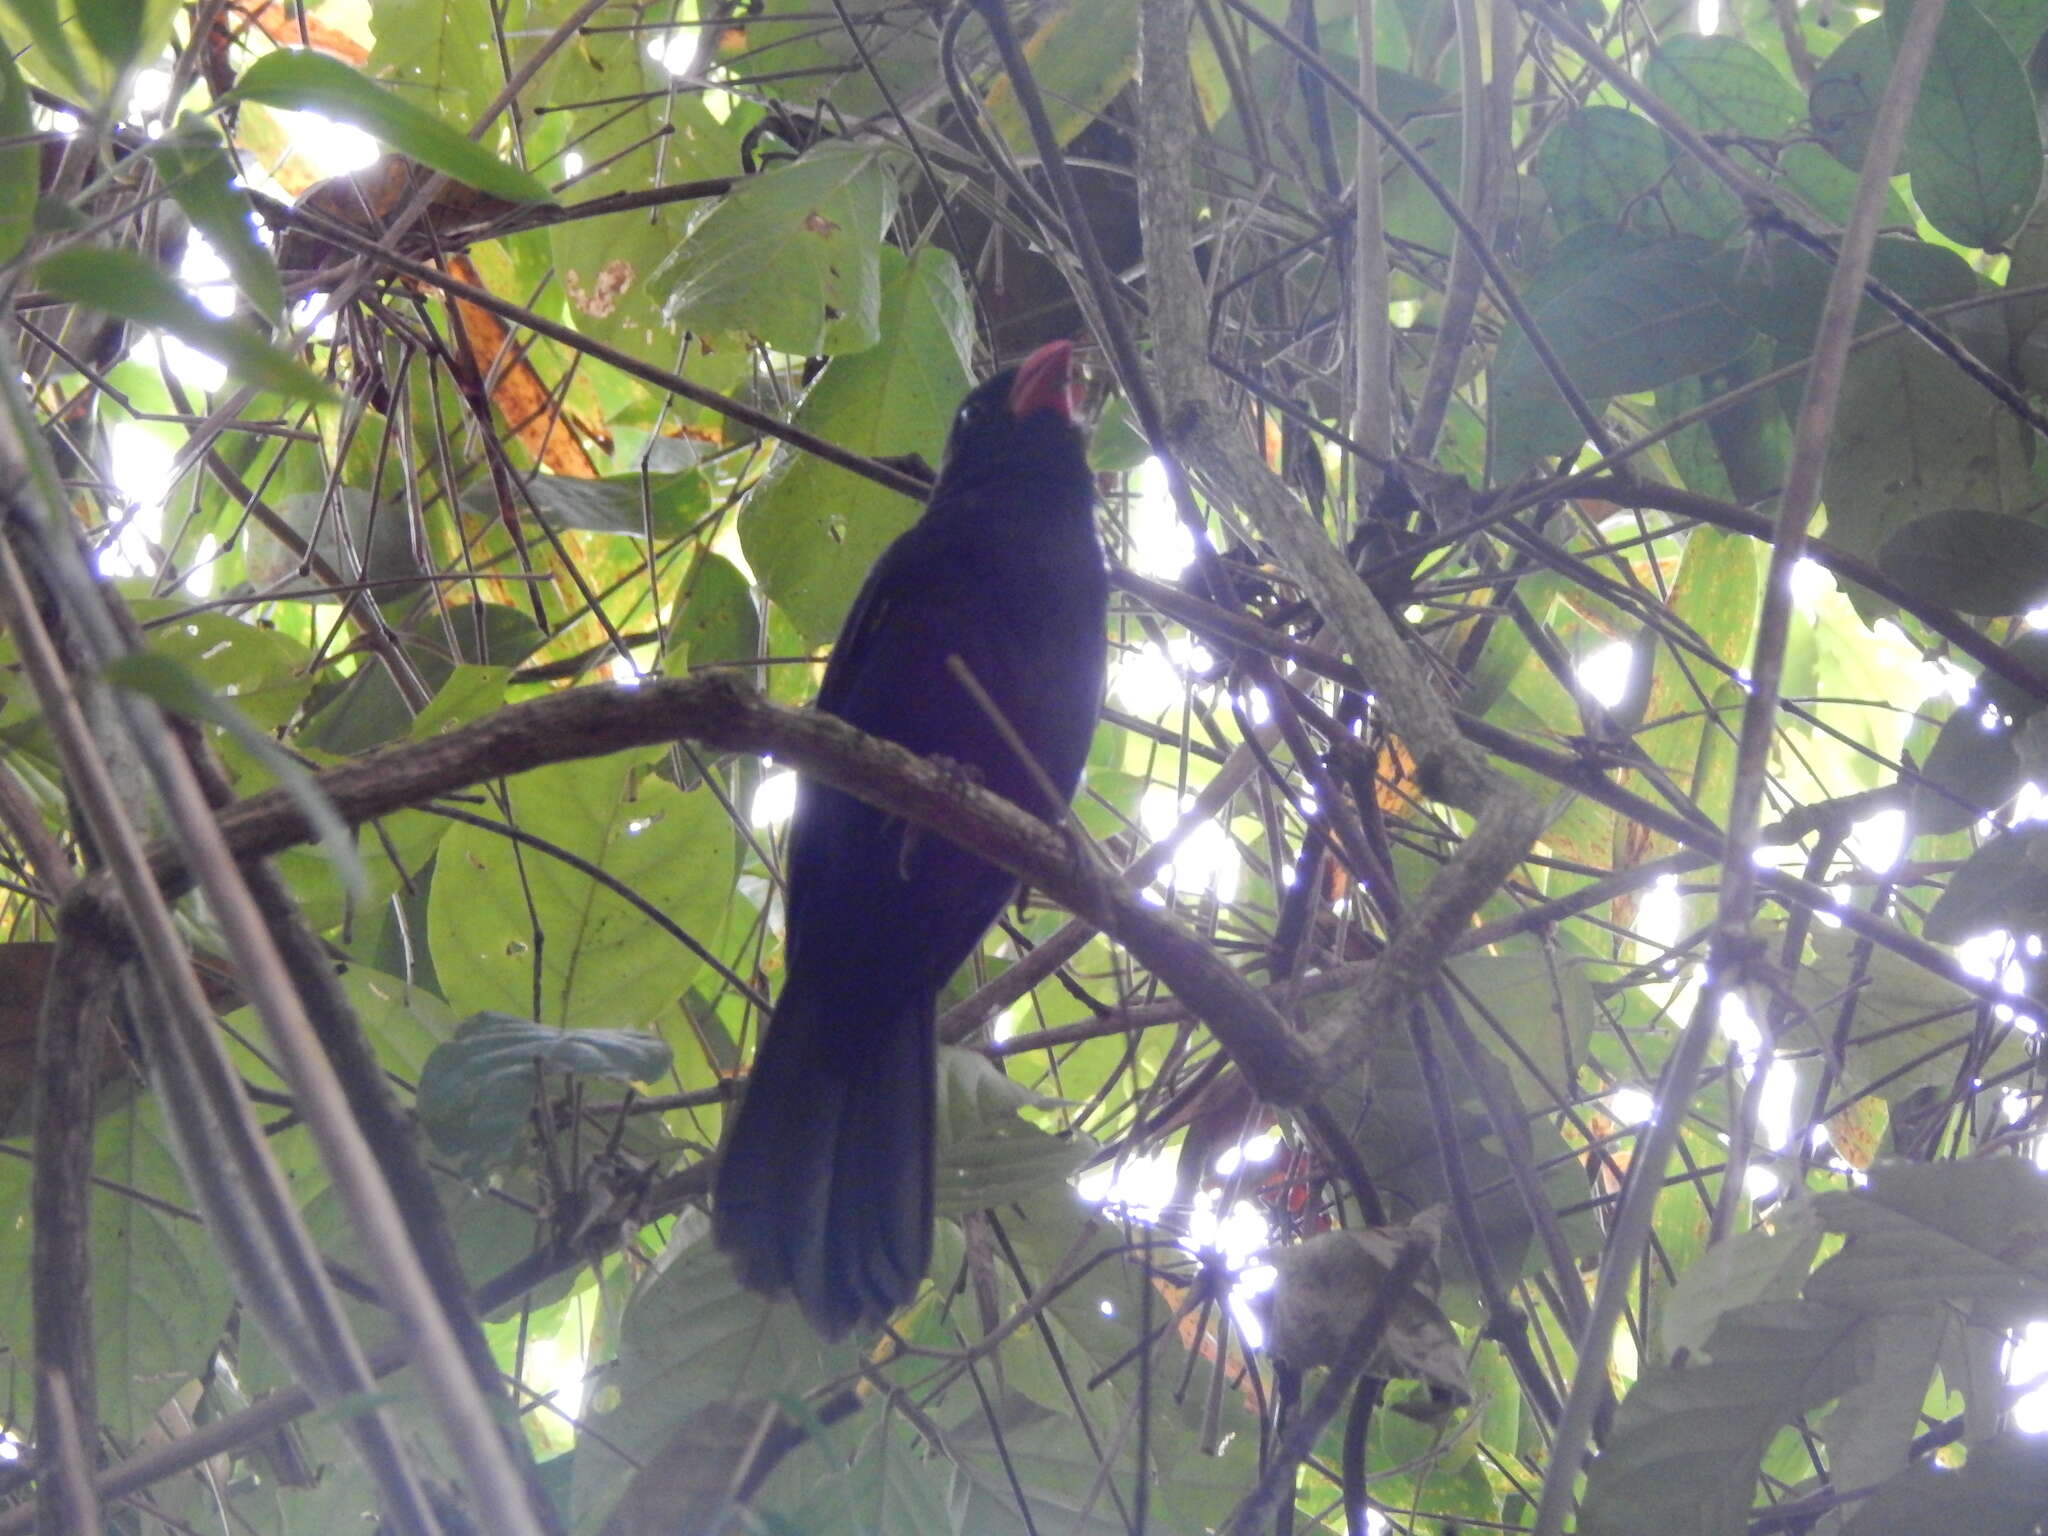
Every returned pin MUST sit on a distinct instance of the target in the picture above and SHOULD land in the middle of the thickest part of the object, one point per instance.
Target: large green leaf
(1783, 295)
(312, 82)
(652, 137)
(1972, 769)
(1922, 1234)
(1721, 85)
(691, 1340)
(1847, 88)
(477, 1091)
(810, 530)
(199, 174)
(1080, 58)
(1973, 147)
(1544, 1005)
(439, 55)
(791, 257)
(1715, 596)
(890, 1487)
(1909, 1026)
(988, 1156)
(1599, 163)
(716, 618)
(367, 710)
(19, 165)
(159, 1296)
(636, 505)
(1986, 563)
(502, 914)
(85, 49)
(1683, 1456)
(1910, 435)
(2004, 884)
(2000, 1490)
(177, 688)
(131, 286)
(1635, 320)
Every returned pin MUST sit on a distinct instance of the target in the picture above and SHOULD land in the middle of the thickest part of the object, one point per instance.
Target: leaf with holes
(791, 257)
(811, 530)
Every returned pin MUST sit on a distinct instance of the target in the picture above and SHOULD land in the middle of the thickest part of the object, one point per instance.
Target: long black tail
(825, 1186)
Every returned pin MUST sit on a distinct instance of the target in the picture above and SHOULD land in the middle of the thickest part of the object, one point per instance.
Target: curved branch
(722, 712)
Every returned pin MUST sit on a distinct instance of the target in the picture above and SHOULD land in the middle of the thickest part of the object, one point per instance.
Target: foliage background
(601, 376)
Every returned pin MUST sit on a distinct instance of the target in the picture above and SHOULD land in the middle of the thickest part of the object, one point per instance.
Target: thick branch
(721, 712)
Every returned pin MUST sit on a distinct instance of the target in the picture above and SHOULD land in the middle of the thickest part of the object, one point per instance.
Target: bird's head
(1020, 422)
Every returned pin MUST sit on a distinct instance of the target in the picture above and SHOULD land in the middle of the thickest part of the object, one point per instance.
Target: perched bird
(825, 1186)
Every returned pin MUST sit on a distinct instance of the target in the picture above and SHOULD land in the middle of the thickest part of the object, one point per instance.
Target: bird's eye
(968, 414)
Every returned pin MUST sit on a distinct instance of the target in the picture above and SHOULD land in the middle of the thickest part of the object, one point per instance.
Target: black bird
(825, 1187)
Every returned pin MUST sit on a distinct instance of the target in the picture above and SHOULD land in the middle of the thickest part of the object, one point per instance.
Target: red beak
(1045, 382)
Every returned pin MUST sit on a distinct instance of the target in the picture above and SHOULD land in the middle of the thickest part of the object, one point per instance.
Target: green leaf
(2004, 884)
(1911, 1024)
(1921, 1234)
(2000, 1490)
(716, 618)
(116, 29)
(127, 285)
(1683, 1456)
(261, 669)
(1783, 296)
(1633, 321)
(628, 504)
(655, 135)
(811, 531)
(1118, 446)
(167, 681)
(1542, 1003)
(52, 57)
(305, 81)
(1080, 58)
(441, 55)
(1910, 435)
(988, 1156)
(1973, 147)
(1842, 106)
(690, 1334)
(1715, 596)
(1737, 453)
(1985, 563)
(1829, 187)
(367, 710)
(1599, 163)
(501, 913)
(2030, 649)
(199, 174)
(888, 1488)
(791, 256)
(1972, 769)
(20, 167)
(1758, 1265)
(477, 1091)
(159, 1295)
(1721, 85)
